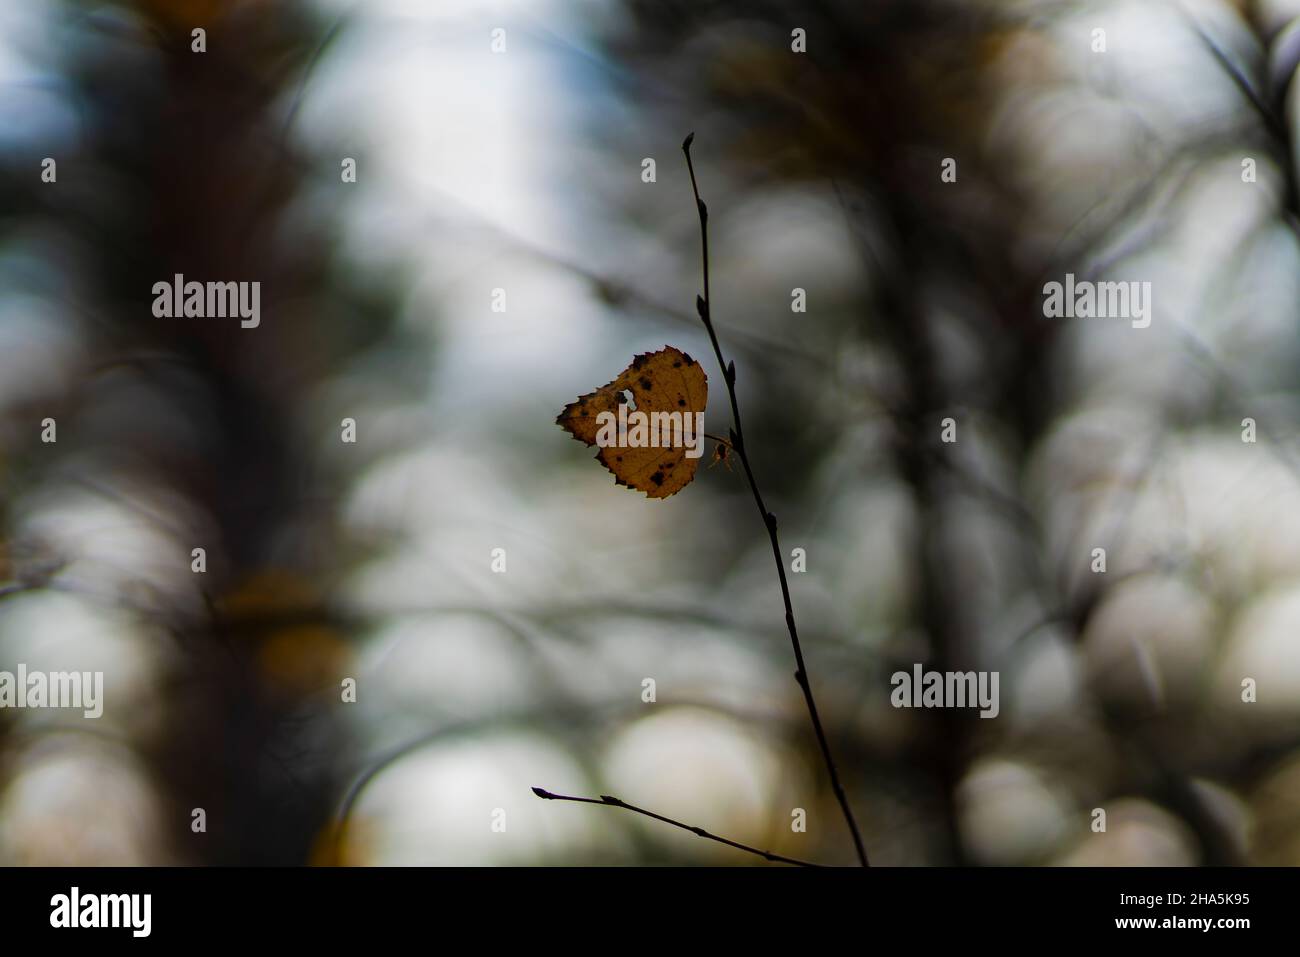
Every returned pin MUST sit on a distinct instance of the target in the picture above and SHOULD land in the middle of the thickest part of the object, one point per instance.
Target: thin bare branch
(704, 306)
(609, 801)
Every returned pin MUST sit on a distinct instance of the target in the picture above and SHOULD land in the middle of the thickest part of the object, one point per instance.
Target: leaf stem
(703, 304)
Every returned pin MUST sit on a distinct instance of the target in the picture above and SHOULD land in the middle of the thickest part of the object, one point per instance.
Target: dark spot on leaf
(638, 362)
(657, 478)
(646, 384)
(681, 401)
(677, 364)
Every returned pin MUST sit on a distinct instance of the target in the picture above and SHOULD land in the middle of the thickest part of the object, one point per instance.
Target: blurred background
(508, 168)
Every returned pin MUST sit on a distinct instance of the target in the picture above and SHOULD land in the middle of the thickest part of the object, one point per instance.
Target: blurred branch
(616, 292)
(1272, 119)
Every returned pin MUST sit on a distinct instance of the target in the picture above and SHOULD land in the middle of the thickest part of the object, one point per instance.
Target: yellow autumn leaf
(670, 390)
